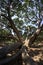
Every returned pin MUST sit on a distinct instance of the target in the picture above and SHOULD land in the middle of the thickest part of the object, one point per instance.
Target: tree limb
(13, 27)
(9, 37)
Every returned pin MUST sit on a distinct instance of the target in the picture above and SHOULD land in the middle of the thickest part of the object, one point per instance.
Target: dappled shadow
(40, 62)
(30, 61)
(37, 46)
(33, 55)
(29, 58)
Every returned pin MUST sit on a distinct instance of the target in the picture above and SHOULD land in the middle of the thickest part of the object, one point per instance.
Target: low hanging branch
(34, 36)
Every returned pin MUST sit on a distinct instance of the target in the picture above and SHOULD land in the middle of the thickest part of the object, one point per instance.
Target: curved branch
(13, 27)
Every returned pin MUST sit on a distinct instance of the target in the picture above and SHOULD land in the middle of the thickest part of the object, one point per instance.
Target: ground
(34, 55)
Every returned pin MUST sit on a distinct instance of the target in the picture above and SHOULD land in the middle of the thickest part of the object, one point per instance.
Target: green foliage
(4, 32)
(26, 13)
(42, 1)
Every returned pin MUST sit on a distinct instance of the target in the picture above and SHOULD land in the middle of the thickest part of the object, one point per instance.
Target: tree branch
(9, 37)
(34, 36)
(13, 27)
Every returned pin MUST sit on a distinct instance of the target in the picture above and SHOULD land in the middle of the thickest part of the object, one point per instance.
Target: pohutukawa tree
(21, 20)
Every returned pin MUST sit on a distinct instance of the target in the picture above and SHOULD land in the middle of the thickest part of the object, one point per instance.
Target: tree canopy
(20, 19)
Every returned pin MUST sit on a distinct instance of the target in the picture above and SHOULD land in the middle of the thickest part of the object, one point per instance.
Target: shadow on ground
(34, 55)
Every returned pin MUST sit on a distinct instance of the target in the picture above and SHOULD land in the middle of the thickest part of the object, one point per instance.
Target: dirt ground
(34, 55)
